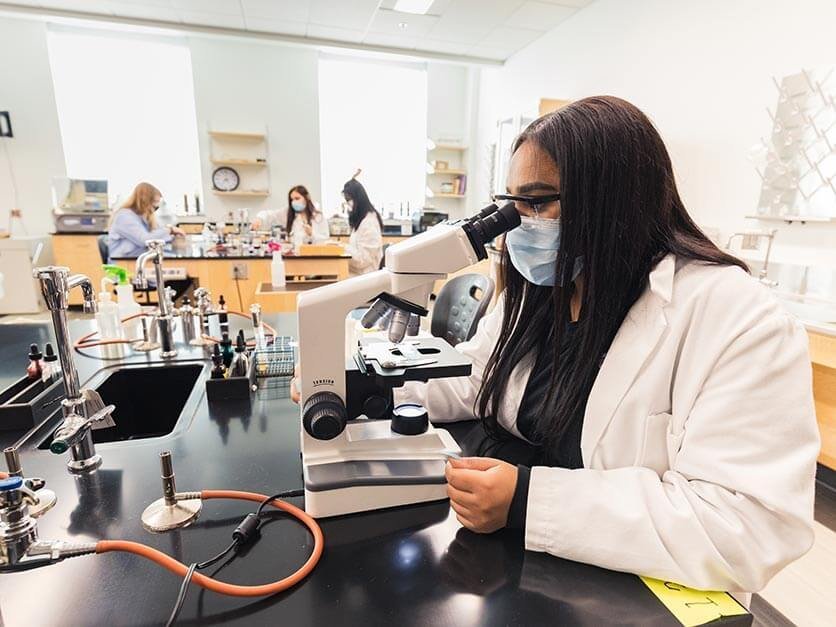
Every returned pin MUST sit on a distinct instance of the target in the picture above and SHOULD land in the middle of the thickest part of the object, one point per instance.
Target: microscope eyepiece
(496, 222)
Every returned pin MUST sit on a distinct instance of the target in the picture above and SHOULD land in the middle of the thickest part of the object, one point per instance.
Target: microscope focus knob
(324, 416)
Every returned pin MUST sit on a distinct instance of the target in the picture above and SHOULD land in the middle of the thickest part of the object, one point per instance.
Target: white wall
(451, 93)
(35, 150)
(700, 69)
(243, 86)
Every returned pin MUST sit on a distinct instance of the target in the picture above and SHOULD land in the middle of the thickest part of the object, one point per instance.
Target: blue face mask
(533, 248)
(298, 205)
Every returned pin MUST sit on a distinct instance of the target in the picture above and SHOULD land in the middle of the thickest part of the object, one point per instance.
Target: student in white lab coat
(365, 244)
(654, 401)
(302, 220)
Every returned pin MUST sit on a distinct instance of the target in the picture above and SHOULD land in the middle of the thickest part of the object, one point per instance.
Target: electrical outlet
(239, 271)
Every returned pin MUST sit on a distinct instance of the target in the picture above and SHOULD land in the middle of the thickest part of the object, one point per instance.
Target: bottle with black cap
(50, 369)
(226, 350)
(218, 369)
(35, 367)
(240, 363)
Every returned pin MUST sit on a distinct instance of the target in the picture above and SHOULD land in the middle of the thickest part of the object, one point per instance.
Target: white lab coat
(699, 438)
(319, 230)
(365, 245)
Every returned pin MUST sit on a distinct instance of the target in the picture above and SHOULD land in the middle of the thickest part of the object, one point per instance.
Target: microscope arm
(412, 267)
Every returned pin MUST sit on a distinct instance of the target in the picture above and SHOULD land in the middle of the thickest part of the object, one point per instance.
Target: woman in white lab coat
(365, 244)
(305, 223)
(654, 401)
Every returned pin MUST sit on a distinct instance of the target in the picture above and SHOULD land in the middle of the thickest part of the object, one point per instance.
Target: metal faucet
(165, 321)
(81, 408)
(757, 236)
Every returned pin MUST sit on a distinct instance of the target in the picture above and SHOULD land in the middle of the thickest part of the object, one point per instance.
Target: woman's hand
(177, 231)
(255, 225)
(308, 229)
(480, 491)
(295, 395)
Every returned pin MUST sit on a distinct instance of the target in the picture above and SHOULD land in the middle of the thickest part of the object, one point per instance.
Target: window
(126, 110)
(373, 116)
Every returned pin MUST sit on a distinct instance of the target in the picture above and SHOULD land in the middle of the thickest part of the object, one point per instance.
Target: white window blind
(126, 110)
(373, 115)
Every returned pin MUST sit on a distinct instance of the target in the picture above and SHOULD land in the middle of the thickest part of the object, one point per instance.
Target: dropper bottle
(226, 350)
(50, 370)
(241, 363)
(218, 370)
(35, 367)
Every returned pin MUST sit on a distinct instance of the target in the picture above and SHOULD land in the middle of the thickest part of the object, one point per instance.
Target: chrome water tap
(165, 320)
(56, 284)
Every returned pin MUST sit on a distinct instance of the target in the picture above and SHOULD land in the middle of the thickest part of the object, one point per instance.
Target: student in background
(135, 224)
(304, 220)
(365, 244)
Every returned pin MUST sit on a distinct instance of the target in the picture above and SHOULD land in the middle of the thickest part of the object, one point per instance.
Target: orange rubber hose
(180, 569)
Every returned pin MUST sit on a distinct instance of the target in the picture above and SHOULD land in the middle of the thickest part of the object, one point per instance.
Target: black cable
(281, 495)
(181, 597)
(236, 542)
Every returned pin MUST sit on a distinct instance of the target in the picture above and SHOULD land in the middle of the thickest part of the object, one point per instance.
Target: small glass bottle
(34, 369)
(241, 363)
(218, 370)
(226, 350)
(50, 369)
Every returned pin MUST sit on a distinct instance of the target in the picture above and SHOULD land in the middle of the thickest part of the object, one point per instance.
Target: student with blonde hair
(134, 224)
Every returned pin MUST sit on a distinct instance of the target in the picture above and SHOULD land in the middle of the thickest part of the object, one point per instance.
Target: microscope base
(367, 498)
(370, 467)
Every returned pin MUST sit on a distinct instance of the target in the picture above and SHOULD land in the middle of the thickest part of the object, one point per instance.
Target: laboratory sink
(149, 401)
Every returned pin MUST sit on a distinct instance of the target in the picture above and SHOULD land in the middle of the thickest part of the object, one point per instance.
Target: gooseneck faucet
(165, 320)
(80, 408)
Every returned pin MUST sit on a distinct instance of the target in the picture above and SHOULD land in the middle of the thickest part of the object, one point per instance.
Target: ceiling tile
(296, 10)
(539, 15)
(202, 18)
(226, 7)
(337, 34)
(159, 13)
(386, 21)
(470, 21)
(347, 14)
(438, 45)
(390, 40)
(284, 27)
(505, 36)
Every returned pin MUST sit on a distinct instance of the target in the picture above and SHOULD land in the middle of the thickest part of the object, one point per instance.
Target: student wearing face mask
(365, 244)
(302, 218)
(134, 223)
(644, 404)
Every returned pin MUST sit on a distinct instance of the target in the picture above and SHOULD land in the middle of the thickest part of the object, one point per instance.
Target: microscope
(359, 452)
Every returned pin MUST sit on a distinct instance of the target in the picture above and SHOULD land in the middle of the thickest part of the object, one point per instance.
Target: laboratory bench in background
(823, 356)
(403, 566)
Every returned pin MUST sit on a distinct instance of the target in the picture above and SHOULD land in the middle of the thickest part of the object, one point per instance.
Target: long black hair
(621, 212)
(355, 192)
(310, 209)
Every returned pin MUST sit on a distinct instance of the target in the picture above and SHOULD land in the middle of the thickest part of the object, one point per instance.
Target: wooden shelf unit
(254, 162)
(237, 135)
(217, 192)
(450, 171)
(449, 147)
(247, 151)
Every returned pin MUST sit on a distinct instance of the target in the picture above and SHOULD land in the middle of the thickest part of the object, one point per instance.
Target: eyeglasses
(534, 203)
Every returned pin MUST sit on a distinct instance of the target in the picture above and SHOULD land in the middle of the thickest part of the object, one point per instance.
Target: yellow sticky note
(694, 607)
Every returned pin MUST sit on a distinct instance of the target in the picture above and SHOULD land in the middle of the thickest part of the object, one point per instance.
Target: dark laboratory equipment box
(26, 402)
(233, 388)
